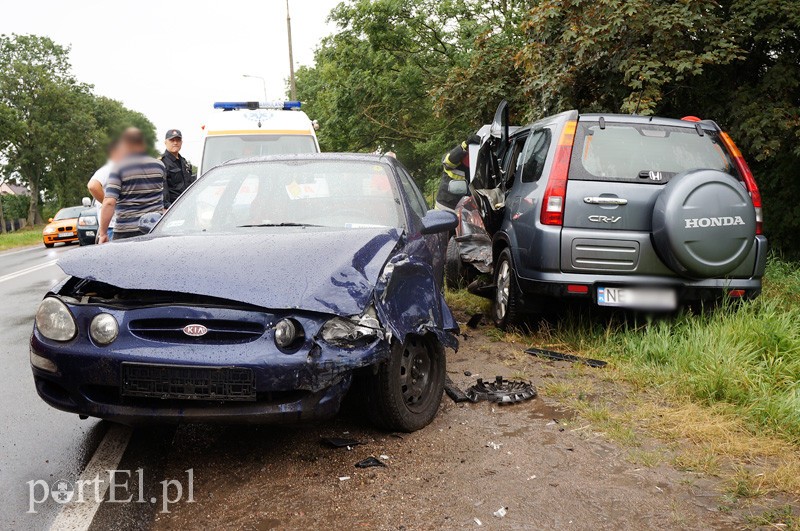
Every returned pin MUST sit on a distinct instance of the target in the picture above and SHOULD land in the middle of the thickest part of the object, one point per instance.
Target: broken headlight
(55, 321)
(344, 332)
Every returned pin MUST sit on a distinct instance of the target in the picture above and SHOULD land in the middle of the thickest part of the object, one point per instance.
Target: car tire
(395, 403)
(453, 268)
(49, 245)
(506, 305)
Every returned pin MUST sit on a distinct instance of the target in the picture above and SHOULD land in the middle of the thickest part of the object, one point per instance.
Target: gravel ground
(546, 467)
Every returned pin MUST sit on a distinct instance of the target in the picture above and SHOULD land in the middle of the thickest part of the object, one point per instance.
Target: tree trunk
(33, 206)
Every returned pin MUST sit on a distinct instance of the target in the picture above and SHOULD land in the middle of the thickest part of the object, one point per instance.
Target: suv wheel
(405, 393)
(453, 268)
(506, 307)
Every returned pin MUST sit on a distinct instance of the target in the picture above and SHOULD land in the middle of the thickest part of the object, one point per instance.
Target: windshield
(252, 196)
(219, 149)
(629, 152)
(68, 213)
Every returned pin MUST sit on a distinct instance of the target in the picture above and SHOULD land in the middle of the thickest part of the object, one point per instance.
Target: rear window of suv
(644, 153)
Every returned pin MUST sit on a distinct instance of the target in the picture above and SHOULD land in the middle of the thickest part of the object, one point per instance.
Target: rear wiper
(280, 225)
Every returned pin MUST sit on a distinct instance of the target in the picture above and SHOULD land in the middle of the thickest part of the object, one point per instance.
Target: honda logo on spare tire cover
(195, 330)
(704, 224)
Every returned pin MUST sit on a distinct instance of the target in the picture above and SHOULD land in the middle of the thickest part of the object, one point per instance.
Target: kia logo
(195, 330)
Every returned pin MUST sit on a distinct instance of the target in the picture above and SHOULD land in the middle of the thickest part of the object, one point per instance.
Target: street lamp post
(263, 83)
(292, 85)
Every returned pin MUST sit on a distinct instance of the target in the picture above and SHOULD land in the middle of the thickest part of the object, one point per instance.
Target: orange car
(63, 227)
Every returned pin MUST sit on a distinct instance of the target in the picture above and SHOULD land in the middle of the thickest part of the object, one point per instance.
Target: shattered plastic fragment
(558, 356)
(475, 320)
(453, 391)
(344, 478)
(338, 442)
(370, 462)
(501, 512)
(477, 521)
(493, 445)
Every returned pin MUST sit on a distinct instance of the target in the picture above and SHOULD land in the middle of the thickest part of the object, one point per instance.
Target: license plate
(638, 298)
(90, 233)
(66, 234)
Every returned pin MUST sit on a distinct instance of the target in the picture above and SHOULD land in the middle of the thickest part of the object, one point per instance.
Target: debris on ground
(501, 391)
(477, 522)
(501, 512)
(475, 320)
(344, 478)
(339, 442)
(467, 373)
(454, 392)
(370, 462)
(493, 445)
(558, 356)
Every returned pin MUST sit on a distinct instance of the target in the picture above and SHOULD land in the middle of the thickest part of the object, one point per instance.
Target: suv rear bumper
(556, 284)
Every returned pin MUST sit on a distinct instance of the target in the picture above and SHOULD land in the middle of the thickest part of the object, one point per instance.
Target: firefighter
(455, 167)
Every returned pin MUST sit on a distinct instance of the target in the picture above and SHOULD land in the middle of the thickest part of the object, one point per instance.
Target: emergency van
(239, 130)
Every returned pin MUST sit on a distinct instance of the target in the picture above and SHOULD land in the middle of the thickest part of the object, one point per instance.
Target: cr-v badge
(604, 219)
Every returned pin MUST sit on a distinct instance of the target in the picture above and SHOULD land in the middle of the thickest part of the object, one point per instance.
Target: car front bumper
(53, 238)
(87, 236)
(307, 384)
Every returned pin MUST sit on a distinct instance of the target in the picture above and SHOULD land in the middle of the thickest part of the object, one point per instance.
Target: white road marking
(79, 516)
(23, 272)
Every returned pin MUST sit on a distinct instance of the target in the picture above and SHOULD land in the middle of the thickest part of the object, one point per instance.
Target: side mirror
(86, 202)
(436, 221)
(458, 187)
(148, 221)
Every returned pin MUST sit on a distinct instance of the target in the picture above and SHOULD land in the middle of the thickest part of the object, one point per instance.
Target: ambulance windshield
(219, 149)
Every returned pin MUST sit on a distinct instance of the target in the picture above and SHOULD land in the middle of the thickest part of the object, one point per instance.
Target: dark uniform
(455, 166)
(178, 175)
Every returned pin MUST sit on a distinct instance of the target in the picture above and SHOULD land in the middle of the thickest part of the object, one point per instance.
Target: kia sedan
(261, 295)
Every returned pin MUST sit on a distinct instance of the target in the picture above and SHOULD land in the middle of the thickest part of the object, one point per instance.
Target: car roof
(344, 157)
(638, 119)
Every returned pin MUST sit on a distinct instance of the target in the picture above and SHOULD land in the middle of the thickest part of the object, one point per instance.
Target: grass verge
(21, 238)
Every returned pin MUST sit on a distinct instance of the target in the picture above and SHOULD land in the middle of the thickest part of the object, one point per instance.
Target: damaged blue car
(260, 296)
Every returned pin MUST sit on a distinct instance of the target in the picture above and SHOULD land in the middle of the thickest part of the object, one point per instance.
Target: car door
(525, 172)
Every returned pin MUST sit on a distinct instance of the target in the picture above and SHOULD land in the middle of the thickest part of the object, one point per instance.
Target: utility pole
(292, 86)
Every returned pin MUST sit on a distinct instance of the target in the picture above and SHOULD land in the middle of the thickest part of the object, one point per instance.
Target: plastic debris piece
(501, 512)
(501, 391)
(338, 442)
(454, 392)
(494, 445)
(467, 373)
(344, 478)
(558, 356)
(477, 521)
(369, 462)
(475, 320)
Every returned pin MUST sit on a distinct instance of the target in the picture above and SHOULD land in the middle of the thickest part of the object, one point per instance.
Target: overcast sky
(171, 60)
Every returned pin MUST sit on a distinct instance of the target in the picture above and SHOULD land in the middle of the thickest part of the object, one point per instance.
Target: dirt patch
(548, 465)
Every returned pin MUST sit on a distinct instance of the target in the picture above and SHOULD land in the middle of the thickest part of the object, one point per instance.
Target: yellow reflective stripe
(453, 175)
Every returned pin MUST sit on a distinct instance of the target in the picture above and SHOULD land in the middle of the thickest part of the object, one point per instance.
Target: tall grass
(21, 238)
(745, 356)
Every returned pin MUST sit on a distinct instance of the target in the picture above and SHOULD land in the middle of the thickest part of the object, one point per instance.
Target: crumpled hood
(321, 270)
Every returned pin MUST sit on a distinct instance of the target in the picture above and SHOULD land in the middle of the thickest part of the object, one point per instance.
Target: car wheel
(453, 268)
(49, 245)
(405, 393)
(506, 307)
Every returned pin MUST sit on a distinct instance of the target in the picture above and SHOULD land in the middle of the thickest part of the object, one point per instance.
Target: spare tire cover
(704, 223)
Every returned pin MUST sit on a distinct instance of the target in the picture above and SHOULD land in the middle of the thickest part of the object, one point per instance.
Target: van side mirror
(436, 221)
(458, 187)
(148, 221)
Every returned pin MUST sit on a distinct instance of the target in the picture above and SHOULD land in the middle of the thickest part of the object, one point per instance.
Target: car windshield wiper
(280, 225)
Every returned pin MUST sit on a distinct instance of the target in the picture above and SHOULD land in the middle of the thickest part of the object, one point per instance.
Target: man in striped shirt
(135, 187)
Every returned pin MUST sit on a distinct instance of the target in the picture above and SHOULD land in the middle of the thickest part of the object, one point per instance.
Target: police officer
(455, 166)
(179, 170)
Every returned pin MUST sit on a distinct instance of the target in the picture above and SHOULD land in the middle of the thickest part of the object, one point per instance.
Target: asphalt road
(37, 442)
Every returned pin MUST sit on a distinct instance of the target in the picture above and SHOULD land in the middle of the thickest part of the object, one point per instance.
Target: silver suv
(629, 211)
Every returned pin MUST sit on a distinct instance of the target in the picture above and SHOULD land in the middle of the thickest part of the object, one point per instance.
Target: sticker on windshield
(317, 189)
(174, 223)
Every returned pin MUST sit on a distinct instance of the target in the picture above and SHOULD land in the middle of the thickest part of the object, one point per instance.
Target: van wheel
(506, 307)
(405, 393)
(453, 268)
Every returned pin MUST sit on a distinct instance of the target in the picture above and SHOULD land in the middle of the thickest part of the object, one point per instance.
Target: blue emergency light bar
(253, 105)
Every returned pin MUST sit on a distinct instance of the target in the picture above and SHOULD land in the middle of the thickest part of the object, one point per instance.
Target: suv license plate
(638, 298)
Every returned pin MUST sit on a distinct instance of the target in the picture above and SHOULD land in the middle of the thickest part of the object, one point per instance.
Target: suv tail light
(747, 176)
(556, 191)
